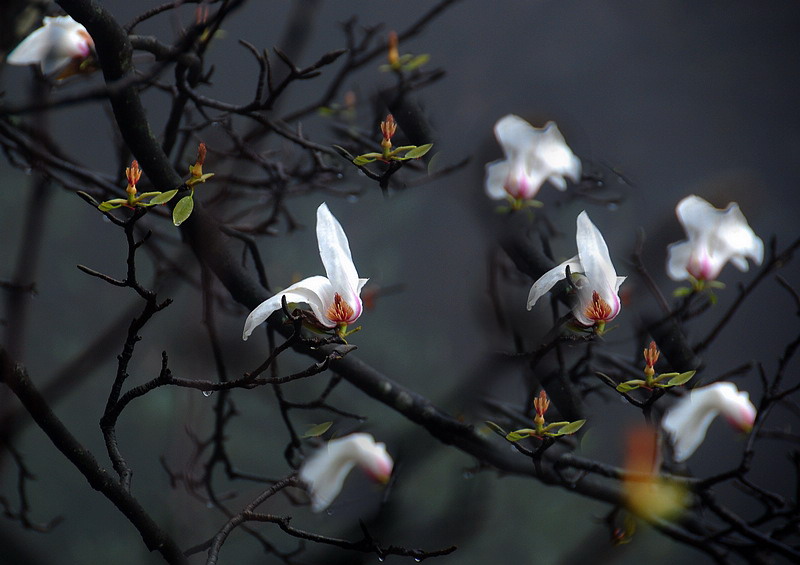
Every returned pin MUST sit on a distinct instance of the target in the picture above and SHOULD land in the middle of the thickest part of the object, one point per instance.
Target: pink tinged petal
(325, 471)
(315, 291)
(678, 257)
(550, 278)
(496, 176)
(334, 250)
(687, 421)
(596, 263)
(53, 45)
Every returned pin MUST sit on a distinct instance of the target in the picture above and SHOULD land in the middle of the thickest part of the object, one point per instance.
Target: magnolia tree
(248, 162)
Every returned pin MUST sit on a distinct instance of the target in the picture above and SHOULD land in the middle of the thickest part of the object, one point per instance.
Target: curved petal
(555, 155)
(53, 46)
(496, 175)
(735, 240)
(678, 256)
(596, 262)
(550, 278)
(334, 250)
(326, 470)
(315, 291)
(515, 135)
(697, 217)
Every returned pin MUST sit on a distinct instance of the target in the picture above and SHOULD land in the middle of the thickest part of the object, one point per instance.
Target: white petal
(678, 256)
(496, 175)
(697, 216)
(556, 156)
(735, 239)
(334, 250)
(550, 278)
(515, 135)
(596, 262)
(688, 420)
(314, 291)
(53, 45)
(325, 471)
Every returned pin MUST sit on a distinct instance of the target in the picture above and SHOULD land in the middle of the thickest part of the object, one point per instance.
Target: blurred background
(665, 98)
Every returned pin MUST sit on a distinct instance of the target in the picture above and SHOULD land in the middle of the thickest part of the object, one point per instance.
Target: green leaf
(418, 152)
(183, 209)
(317, 430)
(163, 197)
(416, 62)
(363, 160)
(571, 428)
(519, 434)
(682, 291)
(628, 386)
(495, 428)
(110, 204)
(681, 379)
(712, 298)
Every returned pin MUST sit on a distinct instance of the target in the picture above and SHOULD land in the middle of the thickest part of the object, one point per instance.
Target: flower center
(340, 311)
(599, 309)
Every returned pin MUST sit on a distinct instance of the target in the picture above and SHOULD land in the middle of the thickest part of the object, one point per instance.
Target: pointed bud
(393, 55)
(133, 174)
(650, 357)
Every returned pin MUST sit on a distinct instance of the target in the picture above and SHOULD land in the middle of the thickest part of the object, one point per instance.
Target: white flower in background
(593, 276)
(687, 421)
(532, 156)
(60, 42)
(715, 237)
(335, 300)
(326, 469)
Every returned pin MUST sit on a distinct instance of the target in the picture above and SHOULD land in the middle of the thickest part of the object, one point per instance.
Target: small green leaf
(183, 209)
(715, 284)
(111, 204)
(681, 379)
(571, 428)
(682, 291)
(418, 152)
(712, 298)
(366, 158)
(317, 430)
(416, 62)
(163, 197)
(628, 386)
(495, 428)
(519, 434)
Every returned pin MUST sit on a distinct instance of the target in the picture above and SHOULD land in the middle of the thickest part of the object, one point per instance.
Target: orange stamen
(598, 310)
(340, 311)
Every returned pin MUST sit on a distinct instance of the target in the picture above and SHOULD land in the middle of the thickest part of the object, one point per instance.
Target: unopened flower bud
(133, 174)
(651, 357)
(393, 55)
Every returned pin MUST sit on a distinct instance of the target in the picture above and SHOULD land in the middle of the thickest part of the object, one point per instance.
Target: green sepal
(318, 430)
(163, 197)
(680, 379)
(416, 62)
(682, 291)
(183, 209)
(366, 158)
(570, 428)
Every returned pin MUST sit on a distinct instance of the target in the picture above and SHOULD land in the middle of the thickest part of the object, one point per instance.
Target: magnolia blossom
(715, 237)
(54, 46)
(325, 470)
(593, 276)
(687, 421)
(533, 156)
(335, 300)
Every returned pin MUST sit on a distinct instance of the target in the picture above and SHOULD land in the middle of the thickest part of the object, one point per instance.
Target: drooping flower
(325, 471)
(57, 46)
(593, 277)
(532, 156)
(687, 421)
(335, 300)
(715, 237)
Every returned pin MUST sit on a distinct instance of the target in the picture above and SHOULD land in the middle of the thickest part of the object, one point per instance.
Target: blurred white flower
(715, 237)
(326, 469)
(532, 156)
(687, 421)
(335, 300)
(58, 43)
(593, 276)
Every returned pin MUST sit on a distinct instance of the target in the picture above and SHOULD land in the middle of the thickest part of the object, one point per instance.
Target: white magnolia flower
(687, 421)
(715, 237)
(533, 156)
(59, 42)
(325, 470)
(335, 300)
(593, 276)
